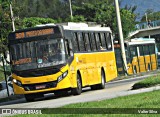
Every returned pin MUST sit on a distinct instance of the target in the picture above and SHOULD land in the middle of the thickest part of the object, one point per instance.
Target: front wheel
(32, 97)
(78, 89)
(29, 97)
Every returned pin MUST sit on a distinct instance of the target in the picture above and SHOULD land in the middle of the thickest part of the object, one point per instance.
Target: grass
(125, 104)
(148, 82)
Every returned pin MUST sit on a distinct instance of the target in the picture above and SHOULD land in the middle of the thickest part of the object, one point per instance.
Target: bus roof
(143, 39)
(84, 27)
(140, 41)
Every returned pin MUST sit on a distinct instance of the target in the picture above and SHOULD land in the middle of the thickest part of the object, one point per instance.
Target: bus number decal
(22, 61)
(34, 33)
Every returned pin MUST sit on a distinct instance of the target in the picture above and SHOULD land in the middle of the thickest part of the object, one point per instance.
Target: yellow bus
(141, 56)
(57, 58)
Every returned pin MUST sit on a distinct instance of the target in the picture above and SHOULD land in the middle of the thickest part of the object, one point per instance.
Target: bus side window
(87, 43)
(81, 42)
(103, 41)
(152, 49)
(75, 42)
(108, 40)
(141, 50)
(98, 41)
(93, 41)
(146, 50)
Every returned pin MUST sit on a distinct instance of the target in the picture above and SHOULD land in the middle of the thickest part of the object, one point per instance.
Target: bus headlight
(62, 76)
(17, 82)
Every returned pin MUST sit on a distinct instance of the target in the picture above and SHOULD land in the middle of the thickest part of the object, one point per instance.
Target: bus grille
(40, 86)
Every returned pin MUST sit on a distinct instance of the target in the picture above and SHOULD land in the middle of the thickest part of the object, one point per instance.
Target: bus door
(142, 58)
(81, 57)
(134, 60)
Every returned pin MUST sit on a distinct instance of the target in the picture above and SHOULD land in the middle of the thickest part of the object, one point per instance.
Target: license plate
(40, 86)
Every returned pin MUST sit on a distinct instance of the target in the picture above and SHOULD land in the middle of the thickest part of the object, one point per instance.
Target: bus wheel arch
(78, 89)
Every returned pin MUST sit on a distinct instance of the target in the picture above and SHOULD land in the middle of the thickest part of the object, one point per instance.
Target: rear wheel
(78, 89)
(102, 84)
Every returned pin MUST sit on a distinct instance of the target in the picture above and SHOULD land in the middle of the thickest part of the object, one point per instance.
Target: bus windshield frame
(38, 54)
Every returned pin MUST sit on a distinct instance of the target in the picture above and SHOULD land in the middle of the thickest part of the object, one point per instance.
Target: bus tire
(78, 89)
(29, 97)
(102, 84)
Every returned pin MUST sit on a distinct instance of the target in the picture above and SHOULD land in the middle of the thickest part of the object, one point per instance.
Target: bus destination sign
(34, 33)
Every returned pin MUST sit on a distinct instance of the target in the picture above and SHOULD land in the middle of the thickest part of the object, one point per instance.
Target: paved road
(113, 89)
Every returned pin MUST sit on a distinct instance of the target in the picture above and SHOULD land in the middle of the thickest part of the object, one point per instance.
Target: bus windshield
(37, 54)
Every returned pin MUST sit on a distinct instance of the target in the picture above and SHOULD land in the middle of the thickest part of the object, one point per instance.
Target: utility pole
(120, 34)
(5, 75)
(146, 18)
(70, 6)
(12, 17)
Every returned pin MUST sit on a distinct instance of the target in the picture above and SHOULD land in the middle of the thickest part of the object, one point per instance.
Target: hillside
(142, 5)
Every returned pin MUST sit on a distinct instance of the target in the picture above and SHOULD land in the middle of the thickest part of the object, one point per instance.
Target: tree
(103, 12)
(33, 21)
(153, 16)
(5, 23)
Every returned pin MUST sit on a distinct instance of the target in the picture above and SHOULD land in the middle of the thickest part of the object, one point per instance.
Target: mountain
(142, 6)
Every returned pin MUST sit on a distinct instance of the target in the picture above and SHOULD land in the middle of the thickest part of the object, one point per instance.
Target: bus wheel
(102, 84)
(29, 97)
(78, 89)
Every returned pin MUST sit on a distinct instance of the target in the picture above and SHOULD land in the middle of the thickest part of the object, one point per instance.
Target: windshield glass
(37, 54)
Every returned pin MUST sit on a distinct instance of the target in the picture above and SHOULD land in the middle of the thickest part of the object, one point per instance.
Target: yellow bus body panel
(88, 64)
(142, 64)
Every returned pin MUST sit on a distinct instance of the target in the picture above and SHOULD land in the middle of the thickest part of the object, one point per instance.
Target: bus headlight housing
(62, 76)
(17, 82)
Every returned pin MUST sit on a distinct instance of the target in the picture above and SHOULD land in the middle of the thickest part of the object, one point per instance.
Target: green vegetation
(30, 13)
(8, 72)
(1, 73)
(151, 15)
(150, 100)
(148, 82)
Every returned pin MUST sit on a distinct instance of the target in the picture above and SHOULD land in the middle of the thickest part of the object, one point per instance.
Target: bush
(148, 82)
